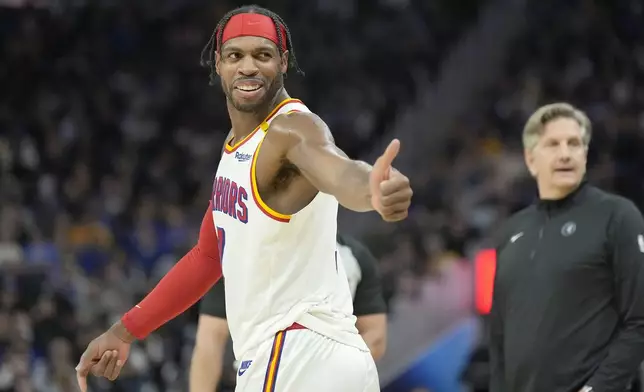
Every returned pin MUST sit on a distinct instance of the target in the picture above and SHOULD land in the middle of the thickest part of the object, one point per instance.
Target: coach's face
(558, 160)
(252, 72)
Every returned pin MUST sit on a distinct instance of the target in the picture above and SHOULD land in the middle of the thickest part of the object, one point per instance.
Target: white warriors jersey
(279, 269)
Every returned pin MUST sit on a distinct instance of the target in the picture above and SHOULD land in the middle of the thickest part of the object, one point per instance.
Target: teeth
(248, 88)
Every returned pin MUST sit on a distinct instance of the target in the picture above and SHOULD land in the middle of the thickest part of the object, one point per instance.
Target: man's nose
(564, 152)
(247, 66)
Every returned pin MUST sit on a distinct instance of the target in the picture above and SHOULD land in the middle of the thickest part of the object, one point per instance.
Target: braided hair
(215, 39)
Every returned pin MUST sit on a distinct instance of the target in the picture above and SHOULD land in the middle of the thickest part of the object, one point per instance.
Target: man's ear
(284, 66)
(528, 155)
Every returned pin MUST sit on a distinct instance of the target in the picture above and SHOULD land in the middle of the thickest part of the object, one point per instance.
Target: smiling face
(252, 72)
(558, 159)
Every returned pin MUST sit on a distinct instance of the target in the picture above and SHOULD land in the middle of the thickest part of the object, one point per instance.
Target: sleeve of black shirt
(214, 302)
(495, 320)
(495, 325)
(626, 353)
(368, 298)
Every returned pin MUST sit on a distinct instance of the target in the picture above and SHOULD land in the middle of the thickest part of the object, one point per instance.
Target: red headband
(251, 24)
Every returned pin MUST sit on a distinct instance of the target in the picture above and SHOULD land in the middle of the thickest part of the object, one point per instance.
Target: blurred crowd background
(110, 136)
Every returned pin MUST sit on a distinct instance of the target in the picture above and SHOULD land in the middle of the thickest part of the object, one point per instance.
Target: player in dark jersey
(214, 366)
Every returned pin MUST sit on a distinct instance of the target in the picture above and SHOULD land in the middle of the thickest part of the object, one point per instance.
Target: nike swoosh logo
(515, 237)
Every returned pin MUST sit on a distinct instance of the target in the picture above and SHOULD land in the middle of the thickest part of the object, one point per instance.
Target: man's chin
(248, 101)
(567, 182)
(566, 177)
(248, 107)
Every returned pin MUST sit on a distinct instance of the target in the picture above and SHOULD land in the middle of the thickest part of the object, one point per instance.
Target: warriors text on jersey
(279, 269)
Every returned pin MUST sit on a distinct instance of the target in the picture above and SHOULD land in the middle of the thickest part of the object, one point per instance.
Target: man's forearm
(376, 342)
(624, 358)
(205, 369)
(181, 288)
(184, 285)
(626, 350)
(352, 188)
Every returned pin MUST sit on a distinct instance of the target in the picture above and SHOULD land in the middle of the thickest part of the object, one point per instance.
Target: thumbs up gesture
(390, 190)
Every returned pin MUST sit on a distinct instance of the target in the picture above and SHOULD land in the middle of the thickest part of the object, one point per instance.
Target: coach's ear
(217, 61)
(284, 65)
(528, 156)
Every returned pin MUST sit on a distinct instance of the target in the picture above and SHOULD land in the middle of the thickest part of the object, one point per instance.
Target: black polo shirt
(568, 306)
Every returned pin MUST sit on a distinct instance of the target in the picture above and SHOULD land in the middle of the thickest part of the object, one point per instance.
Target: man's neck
(554, 193)
(243, 123)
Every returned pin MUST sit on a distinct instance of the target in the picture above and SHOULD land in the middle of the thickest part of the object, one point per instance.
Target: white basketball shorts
(300, 360)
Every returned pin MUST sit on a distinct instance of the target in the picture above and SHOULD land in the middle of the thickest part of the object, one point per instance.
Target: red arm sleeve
(181, 287)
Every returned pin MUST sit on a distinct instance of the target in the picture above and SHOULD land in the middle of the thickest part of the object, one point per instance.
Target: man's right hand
(105, 355)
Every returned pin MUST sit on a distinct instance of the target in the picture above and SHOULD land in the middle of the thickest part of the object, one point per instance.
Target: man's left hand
(390, 190)
(105, 355)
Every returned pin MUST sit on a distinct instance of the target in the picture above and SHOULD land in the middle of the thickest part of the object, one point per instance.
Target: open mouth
(248, 88)
(565, 170)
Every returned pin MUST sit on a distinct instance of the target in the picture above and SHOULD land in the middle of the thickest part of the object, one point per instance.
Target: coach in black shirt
(368, 305)
(568, 308)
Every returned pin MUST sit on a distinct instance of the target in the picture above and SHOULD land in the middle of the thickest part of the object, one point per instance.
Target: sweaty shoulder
(290, 129)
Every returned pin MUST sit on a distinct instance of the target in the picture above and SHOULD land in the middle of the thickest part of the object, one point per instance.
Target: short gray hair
(535, 125)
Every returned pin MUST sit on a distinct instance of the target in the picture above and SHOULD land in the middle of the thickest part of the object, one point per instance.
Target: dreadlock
(215, 39)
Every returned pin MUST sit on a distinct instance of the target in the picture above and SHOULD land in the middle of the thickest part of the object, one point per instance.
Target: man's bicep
(628, 236)
(214, 302)
(312, 150)
(628, 258)
(372, 322)
(212, 334)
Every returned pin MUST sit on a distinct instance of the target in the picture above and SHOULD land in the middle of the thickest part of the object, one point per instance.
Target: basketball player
(207, 369)
(275, 199)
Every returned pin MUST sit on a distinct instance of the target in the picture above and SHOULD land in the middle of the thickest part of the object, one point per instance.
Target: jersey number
(221, 238)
